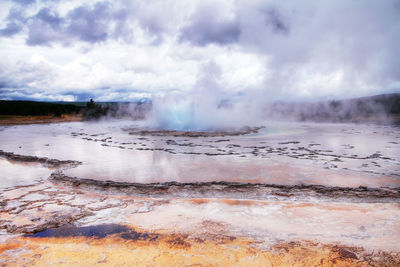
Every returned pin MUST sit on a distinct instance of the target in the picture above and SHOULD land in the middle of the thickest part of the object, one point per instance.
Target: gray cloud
(24, 2)
(47, 16)
(91, 24)
(45, 27)
(15, 23)
(208, 26)
(274, 19)
(122, 29)
(11, 29)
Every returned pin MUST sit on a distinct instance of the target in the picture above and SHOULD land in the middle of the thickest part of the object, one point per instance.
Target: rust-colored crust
(18, 120)
(166, 249)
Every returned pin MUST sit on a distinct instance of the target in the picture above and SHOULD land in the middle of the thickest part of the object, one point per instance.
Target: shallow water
(21, 174)
(96, 231)
(285, 153)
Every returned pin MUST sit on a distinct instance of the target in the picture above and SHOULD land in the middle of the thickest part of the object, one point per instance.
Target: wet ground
(306, 194)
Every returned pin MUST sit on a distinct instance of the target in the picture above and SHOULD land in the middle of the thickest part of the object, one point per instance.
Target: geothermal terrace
(118, 192)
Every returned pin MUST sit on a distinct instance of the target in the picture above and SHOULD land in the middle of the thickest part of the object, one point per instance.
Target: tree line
(33, 108)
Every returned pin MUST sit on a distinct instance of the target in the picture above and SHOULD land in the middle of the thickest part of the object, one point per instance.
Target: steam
(196, 112)
(207, 107)
(211, 107)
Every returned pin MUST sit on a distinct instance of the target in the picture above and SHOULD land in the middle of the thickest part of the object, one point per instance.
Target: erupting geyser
(200, 112)
(207, 108)
(173, 113)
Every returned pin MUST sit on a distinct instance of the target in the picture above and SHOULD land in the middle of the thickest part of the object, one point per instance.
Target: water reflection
(17, 173)
(329, 154)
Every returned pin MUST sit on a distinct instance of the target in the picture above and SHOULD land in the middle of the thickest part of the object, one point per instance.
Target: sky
(124, 50)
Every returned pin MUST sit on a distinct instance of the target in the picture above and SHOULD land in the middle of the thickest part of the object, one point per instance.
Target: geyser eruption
(196, 111)
(174, 112)
(206, 108)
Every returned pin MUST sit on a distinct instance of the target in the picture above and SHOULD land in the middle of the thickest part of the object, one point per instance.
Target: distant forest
(89, 110)
(33, 108)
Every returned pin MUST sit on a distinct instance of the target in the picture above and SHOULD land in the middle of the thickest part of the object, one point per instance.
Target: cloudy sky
(127, 49)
